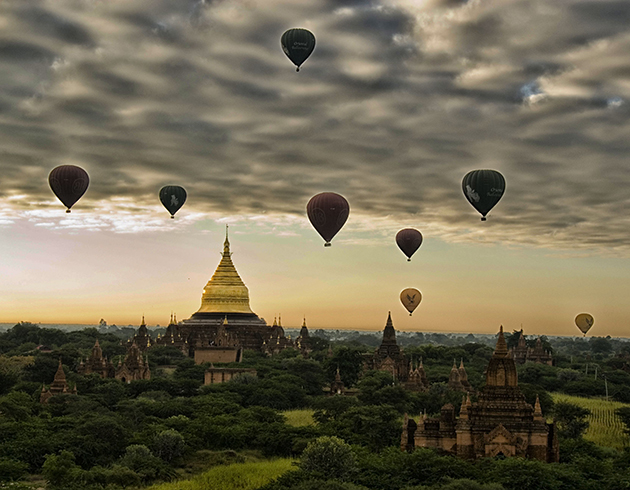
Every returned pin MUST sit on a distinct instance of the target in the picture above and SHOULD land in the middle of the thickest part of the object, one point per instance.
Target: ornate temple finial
(421, 366)
(304, 322)
(226, 243)
(175, 318)
(337, 376)
(171, 318)
(501, 349)
(463, 410)
(461, 363)
(389, 319)
(454, 364)
(225, 322)
(142, 320)
(275, 321)
(279, 320)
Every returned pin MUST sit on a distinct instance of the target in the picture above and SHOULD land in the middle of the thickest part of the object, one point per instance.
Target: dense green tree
(378, 388)
(12, 470)
(571, 419)
(61, 471)
(168, 445)
(624, 414)
(350, 364)
(329, 456)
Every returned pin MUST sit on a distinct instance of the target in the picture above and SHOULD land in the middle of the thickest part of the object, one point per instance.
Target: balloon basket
(172, 217)
(408, 260)
(68, 210)
(409, 314)
(483, 219)
(297, 69)
(327, 244)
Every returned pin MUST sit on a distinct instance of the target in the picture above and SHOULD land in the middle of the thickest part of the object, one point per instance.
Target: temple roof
(389, 334)
(225, 292)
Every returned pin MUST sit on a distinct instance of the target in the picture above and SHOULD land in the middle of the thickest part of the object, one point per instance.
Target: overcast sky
(399, 100)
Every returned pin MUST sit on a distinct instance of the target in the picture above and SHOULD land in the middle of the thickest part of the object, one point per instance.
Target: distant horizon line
(312, 328)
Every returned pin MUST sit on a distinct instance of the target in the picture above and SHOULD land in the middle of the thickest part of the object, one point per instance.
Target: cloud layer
(398, 101)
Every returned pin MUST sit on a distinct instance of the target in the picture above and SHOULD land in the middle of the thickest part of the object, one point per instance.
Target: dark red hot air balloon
(409, 240)
(69, 183)
(328, 213)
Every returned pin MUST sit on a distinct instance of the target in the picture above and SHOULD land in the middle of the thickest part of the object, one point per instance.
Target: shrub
(329, 456)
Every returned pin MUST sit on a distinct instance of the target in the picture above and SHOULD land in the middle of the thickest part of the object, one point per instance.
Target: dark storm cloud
(398, 101)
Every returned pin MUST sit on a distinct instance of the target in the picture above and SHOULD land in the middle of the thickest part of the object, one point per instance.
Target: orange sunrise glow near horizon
(467, 288)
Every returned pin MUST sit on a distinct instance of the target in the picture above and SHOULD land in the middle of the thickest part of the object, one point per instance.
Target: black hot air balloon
(328, 212)
(172, 197)
(298, 44)
(483, 189)
(409, 240)
(69, 183)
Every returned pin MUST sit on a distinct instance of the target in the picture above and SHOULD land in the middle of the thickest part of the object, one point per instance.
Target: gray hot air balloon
(483, 189)
(172, 197)
(298, 44)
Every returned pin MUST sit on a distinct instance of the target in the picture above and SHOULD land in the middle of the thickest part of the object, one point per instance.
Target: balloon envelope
(69, 183)
(410, 298)
(172, 197)
(328, 212)
(584, 322)
(409, 240)
(483, 189)
(298, 44)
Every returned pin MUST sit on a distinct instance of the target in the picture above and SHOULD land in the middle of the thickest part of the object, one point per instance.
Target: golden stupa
(225, 292)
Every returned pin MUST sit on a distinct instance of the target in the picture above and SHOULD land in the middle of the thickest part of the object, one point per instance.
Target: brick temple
(501, 423)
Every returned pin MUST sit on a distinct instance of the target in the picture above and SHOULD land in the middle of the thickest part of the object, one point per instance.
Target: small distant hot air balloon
(483, 189)
(410, 298)
(328, 212)
(298, 44)
(69, 183)
(584, 322)
(409, 240)
(172, 197)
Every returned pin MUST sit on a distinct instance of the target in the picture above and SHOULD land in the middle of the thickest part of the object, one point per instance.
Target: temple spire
(226, 243)
(60, 375)
(501, 349)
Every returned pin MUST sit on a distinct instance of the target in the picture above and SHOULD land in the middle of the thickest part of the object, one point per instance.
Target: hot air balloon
(483, 189)
(173, 197)
(584, 322)
(328, 212)
(69, 183)
(409, 240)
(298, 44)
(410, 298)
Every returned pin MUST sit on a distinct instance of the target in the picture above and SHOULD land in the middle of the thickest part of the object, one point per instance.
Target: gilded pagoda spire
(225, 292)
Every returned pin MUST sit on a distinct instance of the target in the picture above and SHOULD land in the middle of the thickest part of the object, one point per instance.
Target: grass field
(299, 418)
(605, 428)
(239, 476)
